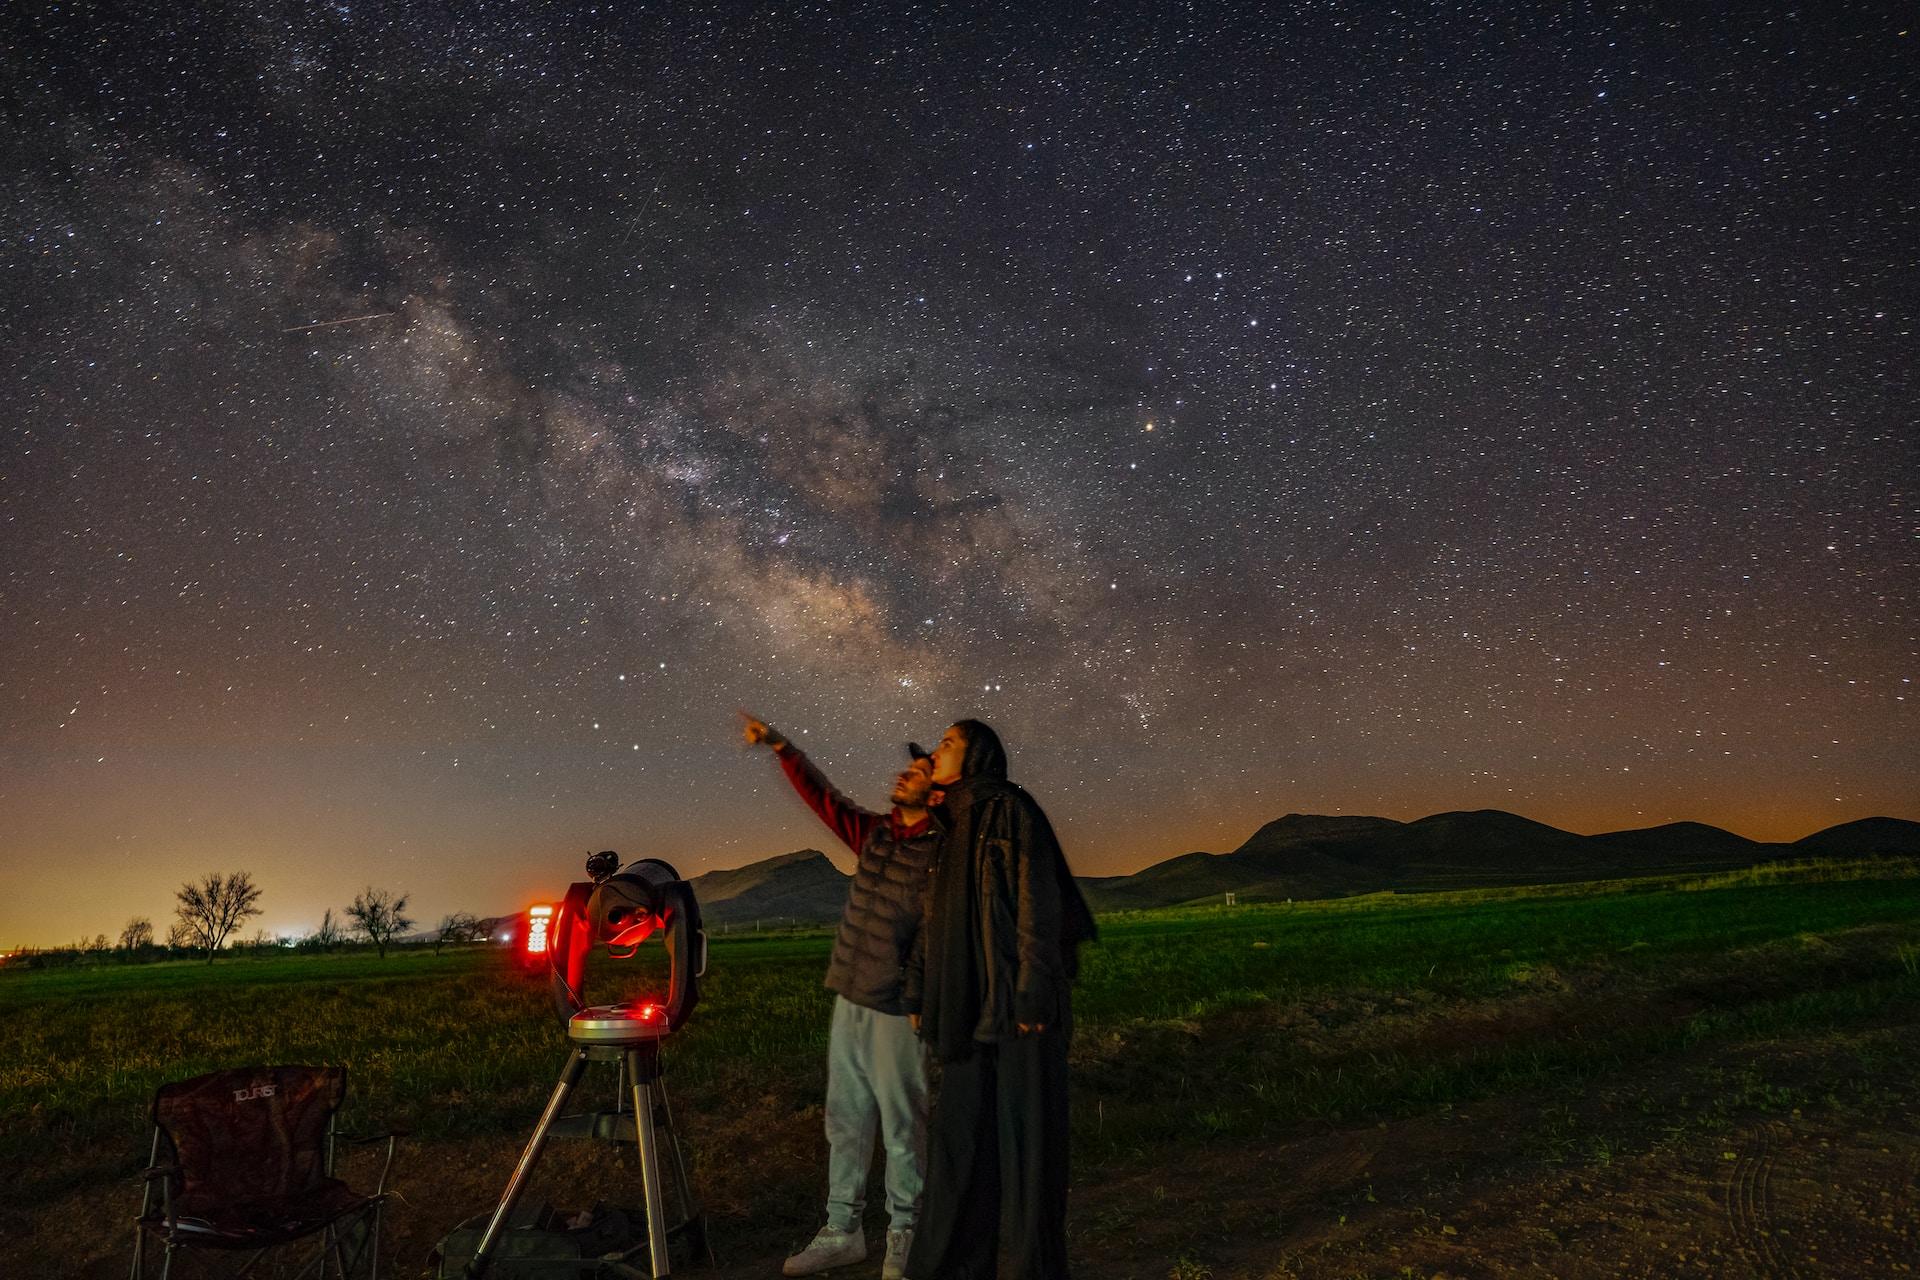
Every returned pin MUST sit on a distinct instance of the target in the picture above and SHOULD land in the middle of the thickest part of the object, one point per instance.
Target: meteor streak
(322, 324)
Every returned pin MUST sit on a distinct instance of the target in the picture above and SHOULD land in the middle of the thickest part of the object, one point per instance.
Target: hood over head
(986, 757)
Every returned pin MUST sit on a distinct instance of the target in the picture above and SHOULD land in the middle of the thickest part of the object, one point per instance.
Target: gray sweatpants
(876, 1081)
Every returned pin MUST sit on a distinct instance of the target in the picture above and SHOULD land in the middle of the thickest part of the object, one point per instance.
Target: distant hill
(1679, 844)
(1869, 837)
(794, 888)
(803, 887)
(1319, 856)
(1316, 856)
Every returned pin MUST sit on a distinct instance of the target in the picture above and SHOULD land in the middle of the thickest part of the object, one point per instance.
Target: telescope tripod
(649, 1124)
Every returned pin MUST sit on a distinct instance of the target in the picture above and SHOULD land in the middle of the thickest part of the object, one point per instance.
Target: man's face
(913, 785)
(948, 756)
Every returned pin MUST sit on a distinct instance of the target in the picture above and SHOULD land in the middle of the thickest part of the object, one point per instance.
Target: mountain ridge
(1322, 856)
(1311, 856)
(1304, 855)
(802, 886)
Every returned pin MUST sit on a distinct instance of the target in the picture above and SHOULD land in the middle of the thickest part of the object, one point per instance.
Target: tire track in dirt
(1335, 1169)
(1747, 1200)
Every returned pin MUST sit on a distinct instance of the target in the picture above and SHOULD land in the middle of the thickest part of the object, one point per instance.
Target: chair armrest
(163, 1174)
(368, 1139)
(388, 1136)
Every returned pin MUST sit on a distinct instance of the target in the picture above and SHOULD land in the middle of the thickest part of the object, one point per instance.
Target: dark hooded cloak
(1005, 919)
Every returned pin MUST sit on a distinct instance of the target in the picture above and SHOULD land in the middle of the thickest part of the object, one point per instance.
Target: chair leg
(340, 1253)
(351, 1249)
(146, 1206)
(330, 1239)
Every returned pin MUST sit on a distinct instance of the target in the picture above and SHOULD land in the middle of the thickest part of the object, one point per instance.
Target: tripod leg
(569, 1076)
(649, 1164)
(684, 1189)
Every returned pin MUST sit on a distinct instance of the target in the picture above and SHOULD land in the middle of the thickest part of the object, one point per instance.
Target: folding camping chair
(243, 1163)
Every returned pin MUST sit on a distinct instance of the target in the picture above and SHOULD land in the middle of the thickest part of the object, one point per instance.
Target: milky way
(424, 426)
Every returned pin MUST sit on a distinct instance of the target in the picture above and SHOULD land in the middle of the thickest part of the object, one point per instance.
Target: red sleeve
(847, 820)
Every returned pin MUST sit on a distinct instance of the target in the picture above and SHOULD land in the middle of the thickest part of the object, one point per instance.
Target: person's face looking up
(948, 756)
(913, 785)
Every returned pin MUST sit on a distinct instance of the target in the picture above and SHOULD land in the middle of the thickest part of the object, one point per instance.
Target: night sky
(423, 425)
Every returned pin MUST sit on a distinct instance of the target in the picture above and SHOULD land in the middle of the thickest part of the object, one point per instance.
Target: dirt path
(1648, 1178)
(1772, 1199)
(1784, 1161)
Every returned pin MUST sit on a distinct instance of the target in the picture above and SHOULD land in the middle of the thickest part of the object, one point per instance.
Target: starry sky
(422, 426)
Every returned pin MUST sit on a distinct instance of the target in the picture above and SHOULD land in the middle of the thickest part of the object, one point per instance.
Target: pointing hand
(757, 731)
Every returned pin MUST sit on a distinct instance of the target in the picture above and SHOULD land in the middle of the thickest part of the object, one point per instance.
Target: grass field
(1198, 1031)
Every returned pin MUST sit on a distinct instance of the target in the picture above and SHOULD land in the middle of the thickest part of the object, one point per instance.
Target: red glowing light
(539, 923)
(636, 933)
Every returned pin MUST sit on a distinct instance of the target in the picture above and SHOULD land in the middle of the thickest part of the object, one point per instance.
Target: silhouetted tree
(137, 934)
(461, 926)
(379, 917)
(328, 936)
(182, 936)
(216, 906)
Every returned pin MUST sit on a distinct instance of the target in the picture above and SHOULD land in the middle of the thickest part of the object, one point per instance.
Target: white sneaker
(829, 1249)
(898, 1243)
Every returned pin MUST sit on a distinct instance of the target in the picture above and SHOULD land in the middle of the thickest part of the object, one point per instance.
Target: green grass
(1192, 1024)
(1396, 1004)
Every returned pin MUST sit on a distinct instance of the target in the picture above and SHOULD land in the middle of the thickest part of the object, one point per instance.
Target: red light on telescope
(635, 933)
(539, 925)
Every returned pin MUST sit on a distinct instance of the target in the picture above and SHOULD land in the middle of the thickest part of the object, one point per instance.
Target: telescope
(617, 909)
(621, 910)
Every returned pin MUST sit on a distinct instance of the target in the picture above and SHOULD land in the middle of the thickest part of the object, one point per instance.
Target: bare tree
(216, 907)
(137, 934)
(329, 935)
(461, 926)
(182, 936)
(379, 917)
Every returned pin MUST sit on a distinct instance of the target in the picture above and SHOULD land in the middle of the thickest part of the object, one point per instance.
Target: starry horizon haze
(423, 427)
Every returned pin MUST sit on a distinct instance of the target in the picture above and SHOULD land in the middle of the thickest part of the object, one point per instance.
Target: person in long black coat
(991, 977)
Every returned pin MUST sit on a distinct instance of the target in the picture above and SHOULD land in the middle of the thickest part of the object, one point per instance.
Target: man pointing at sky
(876, 1068)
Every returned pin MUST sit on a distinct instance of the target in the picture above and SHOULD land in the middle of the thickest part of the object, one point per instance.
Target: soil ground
(1783, 1160)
